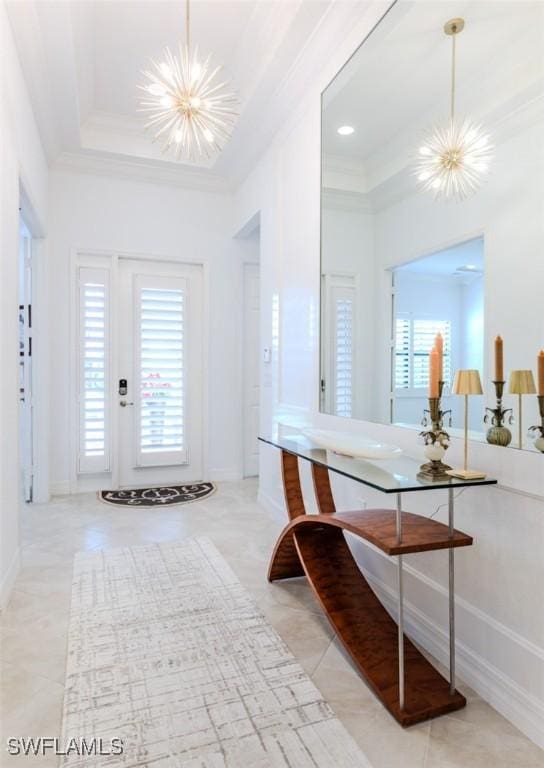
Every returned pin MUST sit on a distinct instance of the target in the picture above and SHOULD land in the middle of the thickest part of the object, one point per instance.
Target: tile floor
(35, 626)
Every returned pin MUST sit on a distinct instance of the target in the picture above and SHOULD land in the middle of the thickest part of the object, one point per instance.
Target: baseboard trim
(225, 474)
(8, 581)
(60, 489)
(271, 505)
(87, 485)
(513, 702)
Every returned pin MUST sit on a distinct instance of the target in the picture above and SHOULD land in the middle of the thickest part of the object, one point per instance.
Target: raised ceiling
(82, 63)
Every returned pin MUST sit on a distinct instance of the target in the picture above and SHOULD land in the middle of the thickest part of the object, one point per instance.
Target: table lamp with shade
(466, 382)
(521, 383)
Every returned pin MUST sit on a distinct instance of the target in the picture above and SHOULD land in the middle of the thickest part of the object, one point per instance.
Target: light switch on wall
(267, 355)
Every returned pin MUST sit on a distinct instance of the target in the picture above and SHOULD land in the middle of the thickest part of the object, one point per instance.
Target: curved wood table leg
(285, 562)
(365, 628)
(322, 489)
(294, 499)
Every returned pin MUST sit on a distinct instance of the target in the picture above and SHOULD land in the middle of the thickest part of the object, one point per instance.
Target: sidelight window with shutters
(93, 370)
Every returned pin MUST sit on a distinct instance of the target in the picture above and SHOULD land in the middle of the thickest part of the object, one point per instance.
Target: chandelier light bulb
(453, 160)
(191, 113)
(455, 157)
(156, 90)
(166, 71)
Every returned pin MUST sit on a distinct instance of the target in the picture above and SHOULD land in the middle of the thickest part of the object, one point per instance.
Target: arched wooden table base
(314, 545)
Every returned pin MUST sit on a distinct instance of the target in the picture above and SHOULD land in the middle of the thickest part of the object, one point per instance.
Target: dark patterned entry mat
(160, 496)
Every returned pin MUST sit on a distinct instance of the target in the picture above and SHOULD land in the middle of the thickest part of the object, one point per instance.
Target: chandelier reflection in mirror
(454, 157)
(190, 113)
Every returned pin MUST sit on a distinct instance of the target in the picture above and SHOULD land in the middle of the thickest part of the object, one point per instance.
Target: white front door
(159, 411)
(251, 369)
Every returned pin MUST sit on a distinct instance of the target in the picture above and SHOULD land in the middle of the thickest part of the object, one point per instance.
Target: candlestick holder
(539, 428)
(436, 439)
(498, 434)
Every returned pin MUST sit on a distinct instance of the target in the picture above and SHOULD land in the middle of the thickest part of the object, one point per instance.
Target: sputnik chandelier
(454, 157)
(190, 113)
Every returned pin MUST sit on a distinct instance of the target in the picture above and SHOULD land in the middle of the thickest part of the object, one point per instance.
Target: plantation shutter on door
(93, 370)
(160, 411)
(343, 355)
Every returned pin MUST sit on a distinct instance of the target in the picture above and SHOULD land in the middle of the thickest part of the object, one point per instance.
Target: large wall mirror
(416, 240)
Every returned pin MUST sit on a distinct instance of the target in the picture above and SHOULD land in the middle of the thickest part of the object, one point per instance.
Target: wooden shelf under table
(378, 527)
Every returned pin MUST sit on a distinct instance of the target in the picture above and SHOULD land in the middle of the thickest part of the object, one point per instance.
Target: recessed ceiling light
(345, 130)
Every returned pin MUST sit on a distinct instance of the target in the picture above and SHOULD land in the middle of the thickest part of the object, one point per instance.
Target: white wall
(22, 161)
(500, 607)
(94, 213)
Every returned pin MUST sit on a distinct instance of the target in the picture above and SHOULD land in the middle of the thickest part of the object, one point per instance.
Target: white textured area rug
(168, 653)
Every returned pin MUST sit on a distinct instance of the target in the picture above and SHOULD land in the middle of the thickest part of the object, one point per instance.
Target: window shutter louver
(402, 353)
(161, 374)
(94, 451)
(414, 339)
(343, 357)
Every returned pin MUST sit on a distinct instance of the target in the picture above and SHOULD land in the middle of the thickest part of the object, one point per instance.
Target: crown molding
(344, 164)
(149, 172)
(345, 200)
(123, 136)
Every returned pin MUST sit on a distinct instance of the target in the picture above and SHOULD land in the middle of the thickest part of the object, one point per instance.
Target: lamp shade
(467, 382)
(521, 383)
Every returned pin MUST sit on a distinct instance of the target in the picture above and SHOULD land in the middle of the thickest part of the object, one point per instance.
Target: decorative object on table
(436, 439)
(499, 359)
(191, 113)
(466, 382)
(439, 344)
(539, 428)
(161, 496)
(169, 651)
(354, 446)
(498, 434)
(521, 383)
(454, 156)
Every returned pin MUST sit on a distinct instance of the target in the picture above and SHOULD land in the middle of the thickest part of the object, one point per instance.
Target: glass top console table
(315, 546)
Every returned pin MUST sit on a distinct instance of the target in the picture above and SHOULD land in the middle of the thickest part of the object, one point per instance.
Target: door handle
(124, 403)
